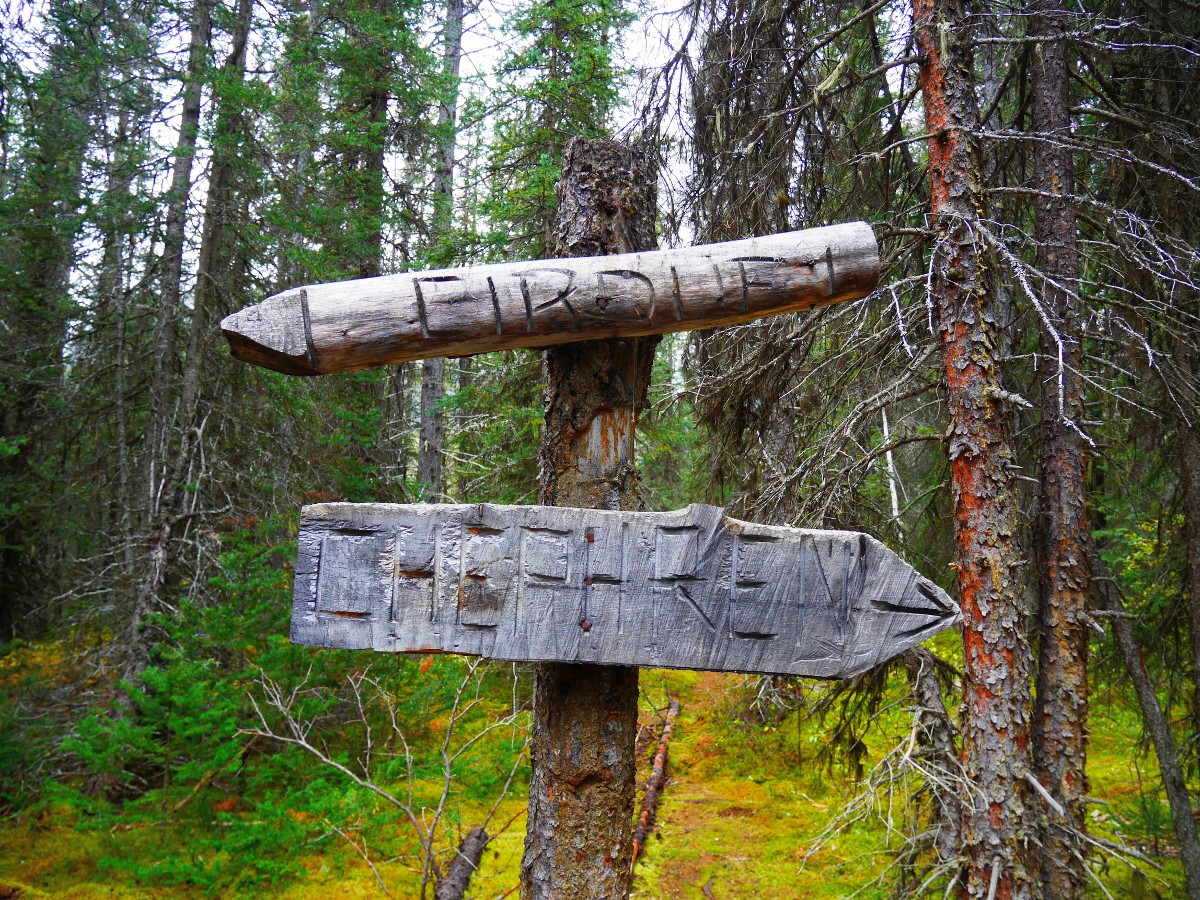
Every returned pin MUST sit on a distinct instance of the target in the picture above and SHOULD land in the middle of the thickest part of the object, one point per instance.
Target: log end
(273, 334)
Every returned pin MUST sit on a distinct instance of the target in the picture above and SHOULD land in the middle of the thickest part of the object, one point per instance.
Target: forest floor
(744, 806)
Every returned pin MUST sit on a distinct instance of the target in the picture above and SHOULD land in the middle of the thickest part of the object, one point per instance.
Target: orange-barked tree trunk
(996, 827)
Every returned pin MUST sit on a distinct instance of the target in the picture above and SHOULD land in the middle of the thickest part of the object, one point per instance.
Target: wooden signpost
(324, 328)
(692, 589)
(588, 587)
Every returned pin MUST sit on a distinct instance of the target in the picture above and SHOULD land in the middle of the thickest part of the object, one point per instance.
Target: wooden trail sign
(690, 589)
(338, 327)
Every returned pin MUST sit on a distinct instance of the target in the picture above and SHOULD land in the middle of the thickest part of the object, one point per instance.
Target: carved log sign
(691, 589)
(325, 328)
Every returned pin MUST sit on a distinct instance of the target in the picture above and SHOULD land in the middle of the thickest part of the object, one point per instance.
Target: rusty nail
(585, 624)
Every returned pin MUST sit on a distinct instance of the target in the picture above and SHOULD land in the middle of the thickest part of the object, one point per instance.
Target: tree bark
(581, 794)
(1190, 470)
(430, 478)
(463, 866)
(654, 785)
(997, 659)
(430, 474)
(939, 739)
(160, 467)
(1060, 716)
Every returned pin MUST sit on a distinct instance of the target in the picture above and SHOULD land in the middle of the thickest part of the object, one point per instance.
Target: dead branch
(654, 787)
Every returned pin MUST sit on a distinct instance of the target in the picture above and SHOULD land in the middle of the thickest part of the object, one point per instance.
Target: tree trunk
(1060, 717)
(1171, 84)
(216, 213)
(1190, 469)
(432, 483)
(938, 738)
(463, 866)
(174, 458)
(1154, 720)
(443, 192)
(35, 308)
(114, 301)
(372, 161)
(160, 465)
(172, 256)
(581, 793)
(654, 784)
(996, 827)
(398, 421)
(466, 379)
(430, 468)
(301, 73)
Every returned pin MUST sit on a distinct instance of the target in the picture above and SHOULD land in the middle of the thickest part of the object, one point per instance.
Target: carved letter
(446, 302)
(351, 580)
(488, 575)
(620, 291)
(549, 296)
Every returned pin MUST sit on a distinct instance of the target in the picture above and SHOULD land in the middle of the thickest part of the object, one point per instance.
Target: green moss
(740, 814)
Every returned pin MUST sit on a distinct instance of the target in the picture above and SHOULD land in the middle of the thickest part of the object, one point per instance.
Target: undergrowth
(160, 786)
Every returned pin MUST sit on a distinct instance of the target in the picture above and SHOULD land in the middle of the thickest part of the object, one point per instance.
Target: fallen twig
(658, 778)
(464, 865)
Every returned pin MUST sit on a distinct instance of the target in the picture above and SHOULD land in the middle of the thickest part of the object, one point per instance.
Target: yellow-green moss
(740, 813)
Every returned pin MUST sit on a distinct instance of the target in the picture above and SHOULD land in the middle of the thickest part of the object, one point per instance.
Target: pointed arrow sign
(691, 589)
(325, 328)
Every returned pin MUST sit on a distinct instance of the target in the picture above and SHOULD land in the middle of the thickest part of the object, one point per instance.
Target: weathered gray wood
(325, 328)
(690, 589)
